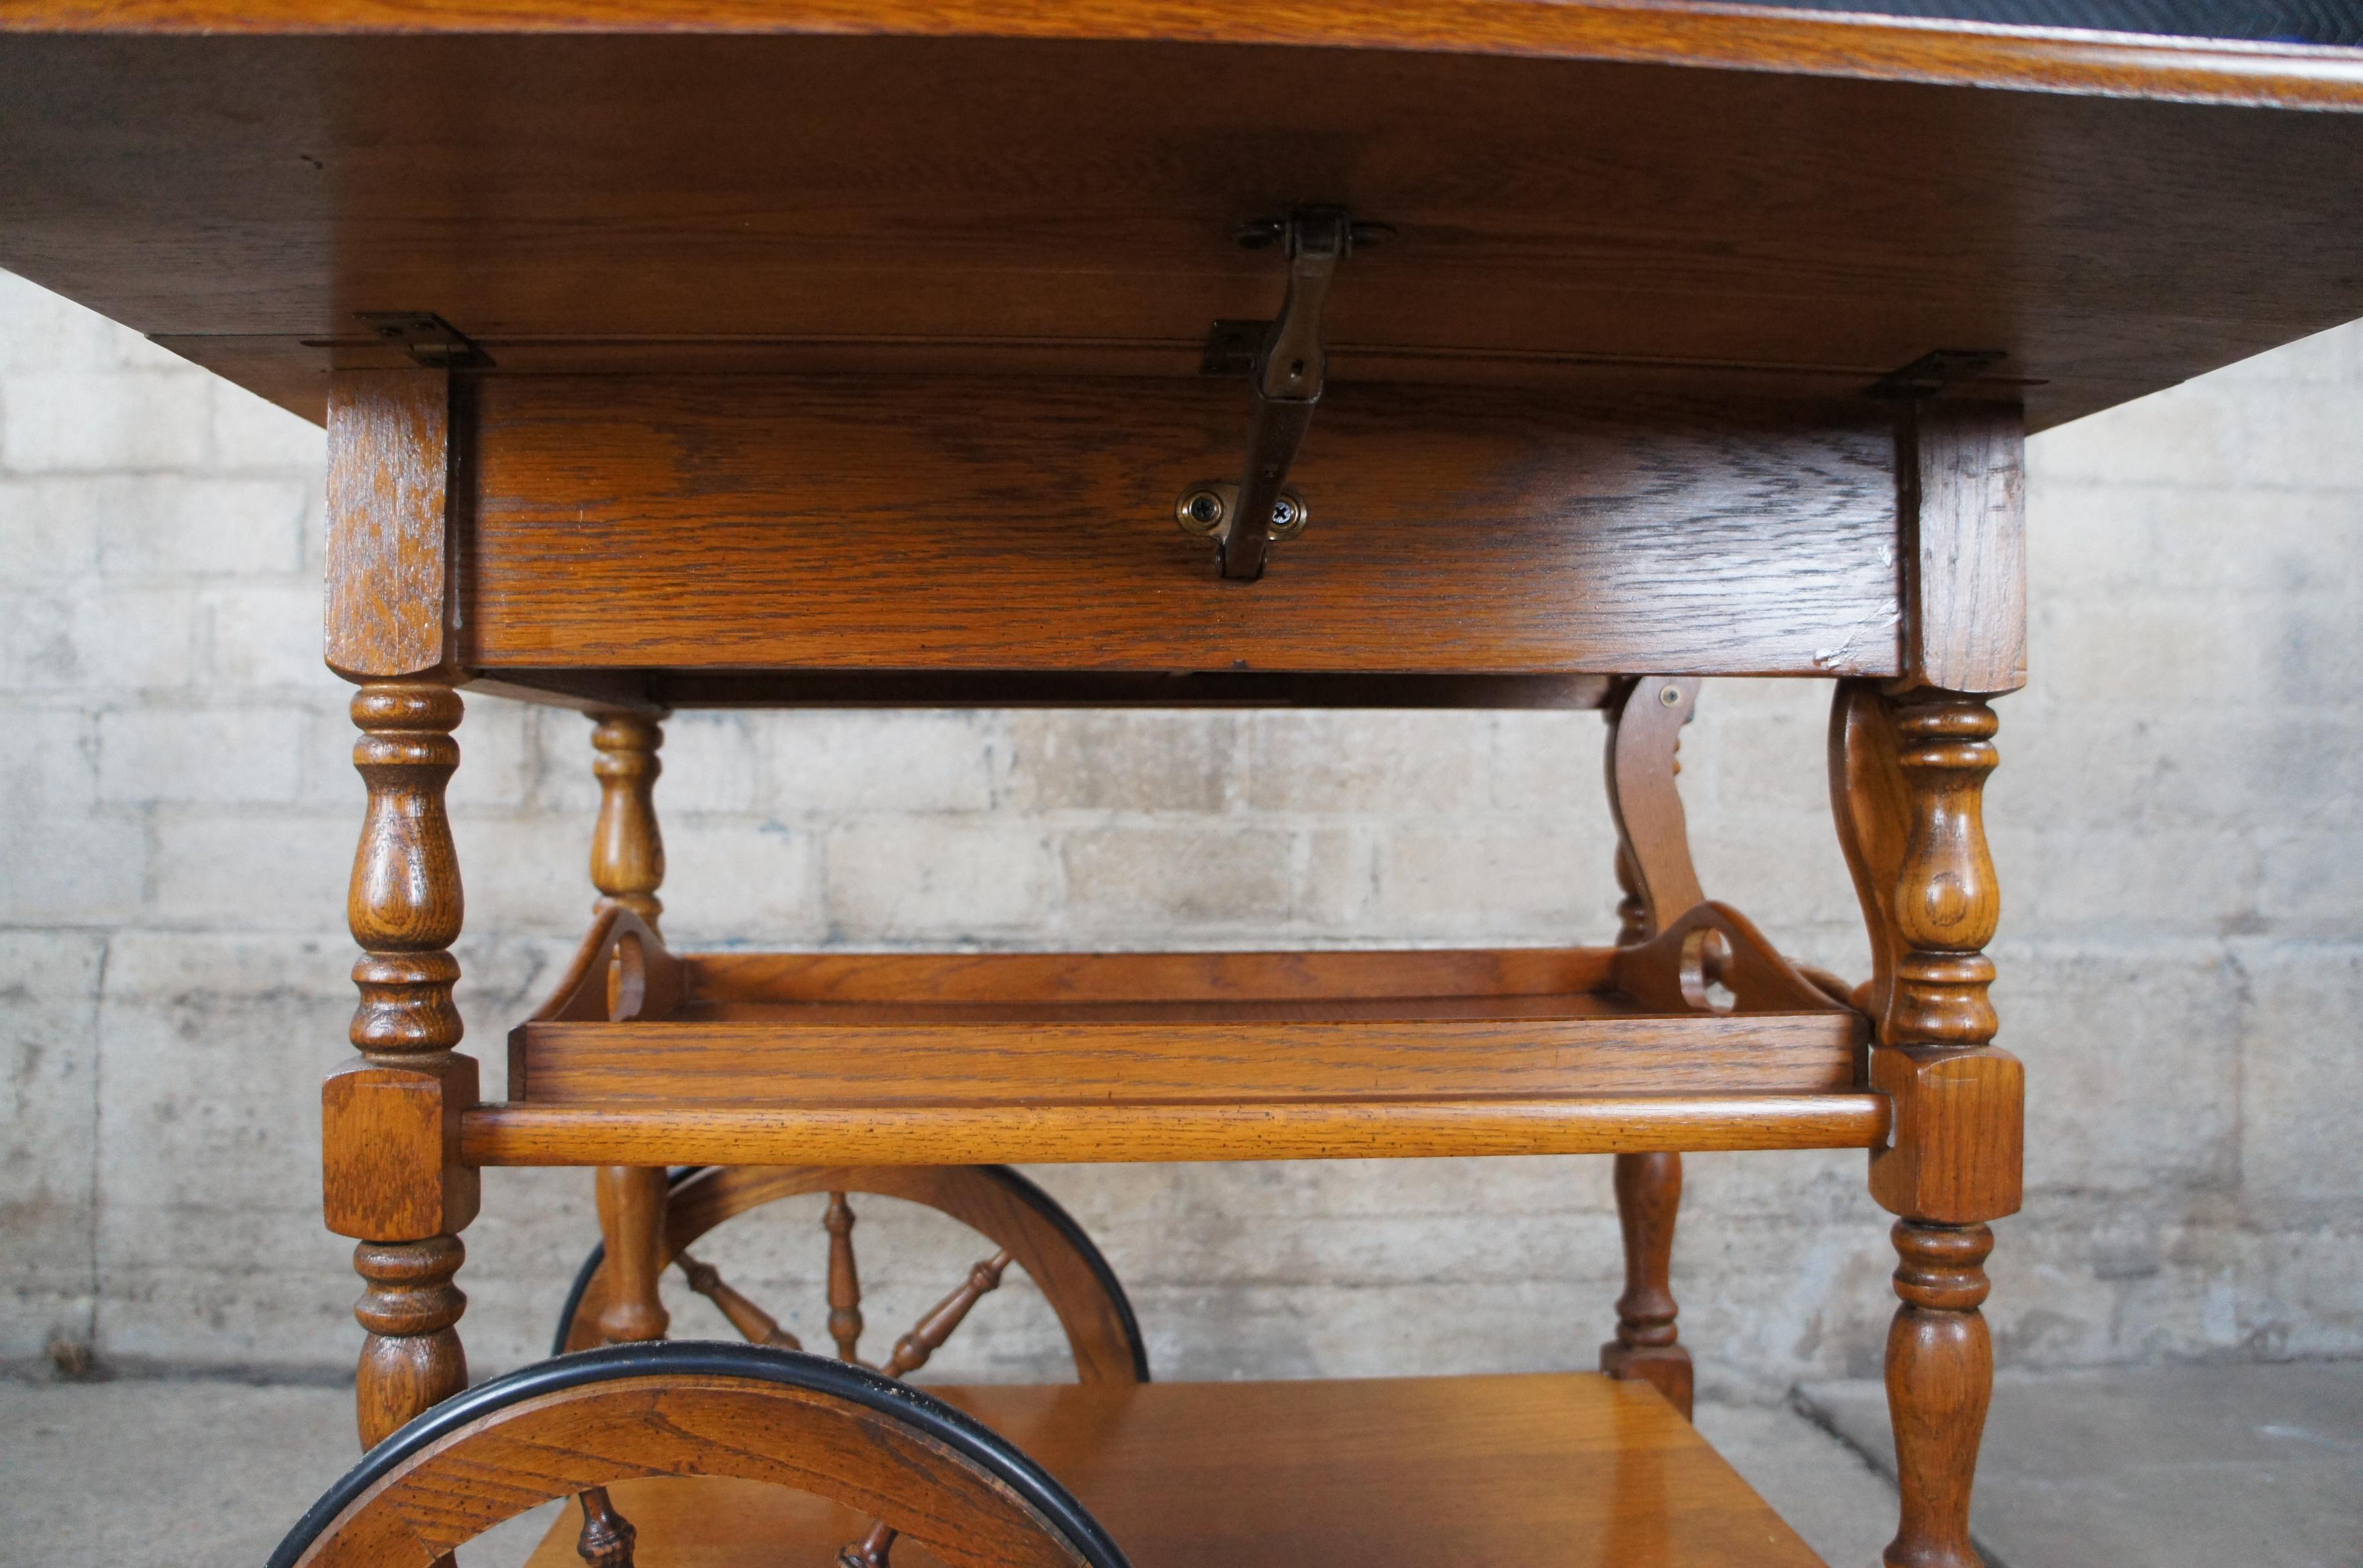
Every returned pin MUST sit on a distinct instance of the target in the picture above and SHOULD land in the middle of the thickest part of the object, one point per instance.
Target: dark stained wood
(1961, 474)
(608, 1537)
(389, 546)
(1549, 1470)
(1002, 526)
(1675, 188)
(1648, 1347)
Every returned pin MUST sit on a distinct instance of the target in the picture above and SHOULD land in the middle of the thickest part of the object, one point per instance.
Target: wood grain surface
(1358, 1129)
(1099, 1333)
(963, 524)
(1961, 476)
(560, 1444)
(1795, 39)
(1546, 1470)
(1648, 1347)
(1211, 1052)
(1653, 845)
(390, 548)
(713, 978)
(657, 691)
(1686, 191)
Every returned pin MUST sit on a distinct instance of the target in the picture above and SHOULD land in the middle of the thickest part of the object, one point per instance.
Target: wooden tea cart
(768, 353)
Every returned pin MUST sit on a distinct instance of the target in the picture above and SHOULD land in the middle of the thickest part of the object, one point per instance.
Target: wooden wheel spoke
(870, 1550)
(757, 1326)
(928, 1335)
(607, 1536)
(843, 1279)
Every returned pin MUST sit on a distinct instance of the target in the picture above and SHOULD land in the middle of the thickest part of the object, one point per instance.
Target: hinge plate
(427, 337)
(1933, 372)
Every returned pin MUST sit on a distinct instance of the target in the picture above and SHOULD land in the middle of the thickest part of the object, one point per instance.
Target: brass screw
(1200, 512)
(1670, 696)
(1288, 518)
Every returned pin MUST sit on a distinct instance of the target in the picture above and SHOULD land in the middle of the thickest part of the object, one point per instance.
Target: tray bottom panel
(1546, 1470)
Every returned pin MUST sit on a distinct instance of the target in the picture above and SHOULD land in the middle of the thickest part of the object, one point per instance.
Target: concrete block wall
(2175, 821)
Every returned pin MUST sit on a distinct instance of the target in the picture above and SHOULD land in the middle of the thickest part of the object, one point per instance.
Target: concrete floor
(2260, 1466)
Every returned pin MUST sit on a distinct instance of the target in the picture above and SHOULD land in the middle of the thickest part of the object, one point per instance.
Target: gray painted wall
(2175, 819)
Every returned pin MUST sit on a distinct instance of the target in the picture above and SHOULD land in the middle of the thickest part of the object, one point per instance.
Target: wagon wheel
(1022, 1222)
(574, 1425)
(1025, 1224)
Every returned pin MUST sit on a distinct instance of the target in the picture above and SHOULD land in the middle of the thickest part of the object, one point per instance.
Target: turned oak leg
(1646, 1347)
(631, 1220)
(1658, 883)
(627, 866)
(1907, 776)
(394, 1179)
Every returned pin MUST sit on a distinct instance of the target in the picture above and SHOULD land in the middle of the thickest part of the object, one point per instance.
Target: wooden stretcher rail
(678, 689)
(1081, 1134)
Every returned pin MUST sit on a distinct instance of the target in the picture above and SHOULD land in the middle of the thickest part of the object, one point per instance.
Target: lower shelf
(1554, 1470)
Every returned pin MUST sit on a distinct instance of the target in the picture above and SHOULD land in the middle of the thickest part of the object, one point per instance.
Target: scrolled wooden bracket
(621, 972)
(1713, 948)
(1645, 742)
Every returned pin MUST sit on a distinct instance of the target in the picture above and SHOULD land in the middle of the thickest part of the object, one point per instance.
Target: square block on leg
(1955, 1155)
(391, 1148)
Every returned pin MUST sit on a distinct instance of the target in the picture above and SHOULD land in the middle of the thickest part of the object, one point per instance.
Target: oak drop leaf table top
(786, 352)
(1619, 190)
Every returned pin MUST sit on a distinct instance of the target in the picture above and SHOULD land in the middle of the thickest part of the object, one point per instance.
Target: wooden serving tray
(648, 1057)
(1554, 1470)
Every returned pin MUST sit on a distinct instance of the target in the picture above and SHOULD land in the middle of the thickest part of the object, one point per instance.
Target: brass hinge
(429, 338)
(1285, 376)
(1933, 372)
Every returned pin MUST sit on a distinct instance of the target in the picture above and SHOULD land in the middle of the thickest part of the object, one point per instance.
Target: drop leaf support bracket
(1284, 382)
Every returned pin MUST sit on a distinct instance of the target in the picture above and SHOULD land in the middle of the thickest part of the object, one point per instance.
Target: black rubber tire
(964, 1435)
